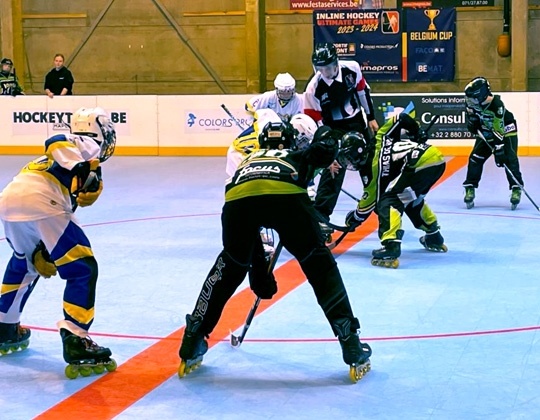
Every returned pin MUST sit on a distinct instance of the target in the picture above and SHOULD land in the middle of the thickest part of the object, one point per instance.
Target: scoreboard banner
(392, 45)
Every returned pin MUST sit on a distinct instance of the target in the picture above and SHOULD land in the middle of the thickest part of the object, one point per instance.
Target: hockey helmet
(353, 152)
(95, 123)
(324, 54)
(285, 86)
(6, 65)
(476, 92)
(277, 135)
(304, 127)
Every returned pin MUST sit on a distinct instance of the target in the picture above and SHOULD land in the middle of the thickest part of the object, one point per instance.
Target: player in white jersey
(284, 100)
(37, 211)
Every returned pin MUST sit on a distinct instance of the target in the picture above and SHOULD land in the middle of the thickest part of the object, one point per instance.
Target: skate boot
(433, 241)
(13, 337)
(355, 353)
(326, 231)
(515, 197)
(469, 197)
(388, 255)
(194, 346)
(84, 356)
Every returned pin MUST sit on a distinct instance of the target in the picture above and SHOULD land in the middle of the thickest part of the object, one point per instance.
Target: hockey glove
(42, 261)
(85, 199)
(262, 283)
(354, 219)
(498, 153)
(473, 122)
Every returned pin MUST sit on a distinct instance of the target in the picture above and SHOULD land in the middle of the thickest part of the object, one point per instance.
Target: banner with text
(336, 4)
(372, 38)
(431, 45)
(375, 39)
(451, 125)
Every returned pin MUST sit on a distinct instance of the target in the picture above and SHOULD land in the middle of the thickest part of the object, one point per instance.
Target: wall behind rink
(195, 125)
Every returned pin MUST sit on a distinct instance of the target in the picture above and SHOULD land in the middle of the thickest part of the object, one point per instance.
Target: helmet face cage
(285, 86)
(304, 127)
(476, 92)
(277, 135)
(109, 137)
(94, 122)
(353, 152)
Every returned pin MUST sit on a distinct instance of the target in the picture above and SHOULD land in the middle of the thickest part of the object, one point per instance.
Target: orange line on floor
(112, 393)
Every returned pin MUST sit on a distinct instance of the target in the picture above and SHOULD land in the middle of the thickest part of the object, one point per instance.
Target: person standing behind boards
(59, 81)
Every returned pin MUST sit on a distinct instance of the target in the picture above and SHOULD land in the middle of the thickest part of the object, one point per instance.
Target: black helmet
(477, 91)
(324, 54)
(277, 135)
(353, 152)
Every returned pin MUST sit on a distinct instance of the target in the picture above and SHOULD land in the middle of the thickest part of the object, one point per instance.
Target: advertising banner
(431, 44)
(372, 38)
(450, 108)
(375, 39)
(336, 4)
(444, 3)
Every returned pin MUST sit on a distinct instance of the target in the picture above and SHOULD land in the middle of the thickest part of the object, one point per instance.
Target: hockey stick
(509, 172)
(229, 113)
(237, 340)
(332, 245)
(350, 195)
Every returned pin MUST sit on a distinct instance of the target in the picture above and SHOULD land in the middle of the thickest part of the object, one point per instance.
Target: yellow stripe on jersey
(74, 254)
(83, 316)
(8, 288)
(259, 187)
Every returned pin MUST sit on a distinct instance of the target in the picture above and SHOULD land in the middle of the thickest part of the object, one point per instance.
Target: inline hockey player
(401, 173)
(338, 96)
(37, 211)
(269, 189)
(283, 100)
(486, 113)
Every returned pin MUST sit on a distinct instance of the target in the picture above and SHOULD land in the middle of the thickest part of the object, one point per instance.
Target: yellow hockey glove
(42, 261)
(85, 199)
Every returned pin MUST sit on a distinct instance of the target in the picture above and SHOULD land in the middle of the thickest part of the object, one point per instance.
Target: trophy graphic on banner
(432, 14)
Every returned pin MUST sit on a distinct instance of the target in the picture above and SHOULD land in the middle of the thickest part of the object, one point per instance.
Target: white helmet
(305, 128)
(95, 123)
(285, 86)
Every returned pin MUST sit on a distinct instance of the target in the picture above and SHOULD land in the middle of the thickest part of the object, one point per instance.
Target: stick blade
(235, 341)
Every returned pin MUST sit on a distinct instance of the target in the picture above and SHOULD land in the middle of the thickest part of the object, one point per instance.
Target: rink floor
(454, 336)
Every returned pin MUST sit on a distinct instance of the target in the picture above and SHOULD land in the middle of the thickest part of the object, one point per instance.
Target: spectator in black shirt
(59, 81)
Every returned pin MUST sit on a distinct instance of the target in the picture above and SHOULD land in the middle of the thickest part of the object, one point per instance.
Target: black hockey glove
(473, 123)
(354, 219)
(262, 283)
(498, 154)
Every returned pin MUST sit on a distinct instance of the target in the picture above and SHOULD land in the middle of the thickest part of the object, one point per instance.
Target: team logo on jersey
(350, 81)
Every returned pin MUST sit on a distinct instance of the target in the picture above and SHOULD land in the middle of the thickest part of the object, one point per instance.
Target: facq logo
(191, 119)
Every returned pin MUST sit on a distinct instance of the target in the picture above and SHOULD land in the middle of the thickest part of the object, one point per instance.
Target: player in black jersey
(269, 190)
(335, 96)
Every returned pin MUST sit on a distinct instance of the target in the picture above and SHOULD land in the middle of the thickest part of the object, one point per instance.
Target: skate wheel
(182, 369)
(99, 369)
(111, 365)
(85, 371)
(71, 371)
(514, 206)
(24, 346)
(470, 205)
(4, 351)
